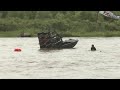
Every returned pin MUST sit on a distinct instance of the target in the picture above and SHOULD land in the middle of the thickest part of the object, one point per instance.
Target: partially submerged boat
(25, 35)
(54, 41)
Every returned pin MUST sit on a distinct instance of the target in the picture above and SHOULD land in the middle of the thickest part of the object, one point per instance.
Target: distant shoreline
(67, 24)
(67, 34)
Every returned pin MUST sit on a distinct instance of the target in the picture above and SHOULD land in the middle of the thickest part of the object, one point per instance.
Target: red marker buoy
(17, 50)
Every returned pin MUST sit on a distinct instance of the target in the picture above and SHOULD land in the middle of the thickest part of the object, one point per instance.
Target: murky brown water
(77, 63)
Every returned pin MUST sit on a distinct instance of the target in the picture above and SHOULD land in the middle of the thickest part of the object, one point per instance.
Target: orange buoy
(17, 50)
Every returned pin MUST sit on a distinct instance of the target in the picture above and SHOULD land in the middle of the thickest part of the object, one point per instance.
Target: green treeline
(67, 23)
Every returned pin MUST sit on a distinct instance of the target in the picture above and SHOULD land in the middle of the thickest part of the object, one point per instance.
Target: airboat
(52, 40)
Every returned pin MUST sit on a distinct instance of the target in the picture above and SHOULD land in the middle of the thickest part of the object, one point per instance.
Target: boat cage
(50, 39)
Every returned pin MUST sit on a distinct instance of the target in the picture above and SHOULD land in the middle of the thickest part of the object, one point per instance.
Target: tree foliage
(57, 20)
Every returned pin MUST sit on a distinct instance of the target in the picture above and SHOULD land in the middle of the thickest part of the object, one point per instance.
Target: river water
(76, 63)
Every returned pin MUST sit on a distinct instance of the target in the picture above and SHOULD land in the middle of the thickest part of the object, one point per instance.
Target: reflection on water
(49, 50)
(78, 62)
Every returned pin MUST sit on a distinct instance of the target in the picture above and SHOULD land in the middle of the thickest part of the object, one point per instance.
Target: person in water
(93, 48)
